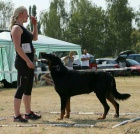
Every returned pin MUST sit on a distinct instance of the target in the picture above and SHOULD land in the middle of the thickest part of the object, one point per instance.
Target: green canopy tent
(49, 45)
(6, 55)
(43, 44)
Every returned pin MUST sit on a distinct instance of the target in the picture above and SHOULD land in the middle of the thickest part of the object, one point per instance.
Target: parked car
(129, 54)
(135, 57)
(103, 63)
(109, 65)
(134, 66)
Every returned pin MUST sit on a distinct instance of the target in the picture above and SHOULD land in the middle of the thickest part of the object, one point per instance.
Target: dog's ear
(47, 56)
(43, 55)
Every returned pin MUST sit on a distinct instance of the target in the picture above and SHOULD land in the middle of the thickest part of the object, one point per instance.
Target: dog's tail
(116, 94)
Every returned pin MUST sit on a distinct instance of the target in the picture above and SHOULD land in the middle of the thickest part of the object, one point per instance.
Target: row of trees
(5, 14)
(102, 32)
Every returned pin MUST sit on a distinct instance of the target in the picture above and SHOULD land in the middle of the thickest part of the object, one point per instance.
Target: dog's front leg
(62, 115)
(63, 106)
(68, 108)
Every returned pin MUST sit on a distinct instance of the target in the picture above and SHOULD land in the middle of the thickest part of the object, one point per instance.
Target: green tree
(32, 12)
(54, 20)
(135, 36)
(86, 26)
(137, 19)
(103, 33)
(120, 25)
(135, 39)
(6, 9)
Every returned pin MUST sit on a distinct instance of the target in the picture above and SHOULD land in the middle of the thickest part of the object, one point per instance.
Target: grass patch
(45, 100)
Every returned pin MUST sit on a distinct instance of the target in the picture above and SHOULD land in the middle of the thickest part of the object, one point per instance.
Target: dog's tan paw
(67, 116)
(101, 118)
(59, 118)
(116, 116)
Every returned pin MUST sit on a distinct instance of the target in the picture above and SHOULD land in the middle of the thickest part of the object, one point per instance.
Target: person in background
(85, 60)
(68, 60)
(22, 40)
(46, 80)
(35, 66)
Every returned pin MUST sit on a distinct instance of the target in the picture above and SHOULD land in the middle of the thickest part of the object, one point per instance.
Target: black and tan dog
(69, 83)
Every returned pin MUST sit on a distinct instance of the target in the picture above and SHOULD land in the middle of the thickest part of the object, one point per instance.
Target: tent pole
(2, 62)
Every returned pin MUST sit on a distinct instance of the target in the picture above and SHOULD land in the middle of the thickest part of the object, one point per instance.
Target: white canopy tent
(43, 44)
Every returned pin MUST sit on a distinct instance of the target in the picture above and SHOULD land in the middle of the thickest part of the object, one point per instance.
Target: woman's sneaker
(20, 119)
(32, 116)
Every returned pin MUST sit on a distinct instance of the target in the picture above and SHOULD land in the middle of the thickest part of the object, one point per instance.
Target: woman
(22, 40)
(68, 60)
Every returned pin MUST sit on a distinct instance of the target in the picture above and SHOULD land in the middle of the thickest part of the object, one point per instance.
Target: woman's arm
(86, 58)
(72, 59)
(65, 58)
(35, 29)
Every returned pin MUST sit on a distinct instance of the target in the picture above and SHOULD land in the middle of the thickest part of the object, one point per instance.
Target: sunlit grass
(46, 100)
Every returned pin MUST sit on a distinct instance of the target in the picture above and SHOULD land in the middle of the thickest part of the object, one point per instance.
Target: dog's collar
(57, 67)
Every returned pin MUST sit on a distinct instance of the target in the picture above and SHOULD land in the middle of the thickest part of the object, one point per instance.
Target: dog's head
(54, 62)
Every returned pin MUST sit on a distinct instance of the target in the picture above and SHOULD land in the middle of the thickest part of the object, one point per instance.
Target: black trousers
(25, 77)
(85, 67)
